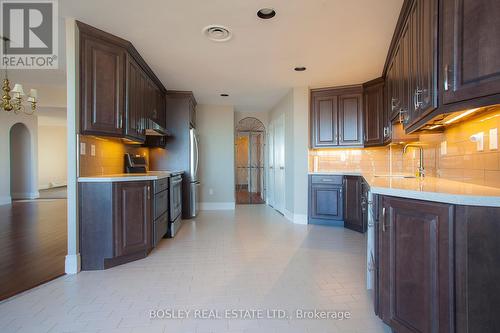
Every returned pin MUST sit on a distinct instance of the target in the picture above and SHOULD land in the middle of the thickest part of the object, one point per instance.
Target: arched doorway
(21, 171)
(249, 155)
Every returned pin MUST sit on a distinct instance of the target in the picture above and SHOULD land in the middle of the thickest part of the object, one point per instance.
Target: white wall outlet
(444, 147)
(82, 148)
(92, 150)
(478, 138)
(211, 191)
(493, 139)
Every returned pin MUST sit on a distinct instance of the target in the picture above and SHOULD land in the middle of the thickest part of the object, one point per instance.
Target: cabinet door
(135, 97)
(414, 265)
(102, 87)
(160, 108)
(353, 210)
(394, 86)
(327, 202)
(405, 80)
(373, 108)
(477, 269)
(471, 45)
(132, 213)
(351, 120)
(324, 122)
(425, 52)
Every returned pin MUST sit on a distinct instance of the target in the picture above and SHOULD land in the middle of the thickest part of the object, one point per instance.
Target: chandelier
(16, 102)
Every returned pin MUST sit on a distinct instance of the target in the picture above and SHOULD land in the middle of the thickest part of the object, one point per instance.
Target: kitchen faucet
(420, 170)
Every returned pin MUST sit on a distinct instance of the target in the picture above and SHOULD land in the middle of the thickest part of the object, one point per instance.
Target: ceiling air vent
(217, 33)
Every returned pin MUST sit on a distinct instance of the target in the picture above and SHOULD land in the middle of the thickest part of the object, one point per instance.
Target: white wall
(52, 156)
(215, 125)
(7, 120)
(295, 106)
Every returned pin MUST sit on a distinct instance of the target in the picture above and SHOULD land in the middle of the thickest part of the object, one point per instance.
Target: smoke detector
(217, 33)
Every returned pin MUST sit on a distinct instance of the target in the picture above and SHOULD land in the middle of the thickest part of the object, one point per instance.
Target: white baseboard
(217, 205)
(72, 264)
(288, 215)
(6, 200)
(300, 218)
(295, 218)
(26, 195)
(51, 185)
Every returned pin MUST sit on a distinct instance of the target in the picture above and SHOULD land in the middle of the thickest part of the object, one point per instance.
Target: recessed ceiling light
(266, 13)
(224, 95)
(299, 69)
(217, 33)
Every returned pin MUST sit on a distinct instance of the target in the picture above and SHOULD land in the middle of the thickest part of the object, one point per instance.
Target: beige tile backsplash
(109, 157)
(462, 161)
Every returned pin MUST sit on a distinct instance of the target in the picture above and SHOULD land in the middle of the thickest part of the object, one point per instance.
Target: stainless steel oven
(175, 193)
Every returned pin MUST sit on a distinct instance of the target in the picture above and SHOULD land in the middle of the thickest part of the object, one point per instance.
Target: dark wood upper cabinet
(135, 101)
(351, 120)
(133, 217)
(119, 92)
(376, 126)
(471, 65)
(102, 86)
(415, 251)
(337, 117)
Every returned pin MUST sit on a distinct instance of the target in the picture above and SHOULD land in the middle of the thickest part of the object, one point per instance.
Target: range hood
(154, 129)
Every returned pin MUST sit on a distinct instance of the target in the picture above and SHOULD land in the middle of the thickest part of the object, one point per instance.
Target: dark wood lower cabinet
(355, 204)
(115, 223)
(477, 269)
(437, 266)
(326, 200)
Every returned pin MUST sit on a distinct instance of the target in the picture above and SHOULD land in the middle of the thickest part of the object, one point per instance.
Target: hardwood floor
(33, 244)
(244, 197)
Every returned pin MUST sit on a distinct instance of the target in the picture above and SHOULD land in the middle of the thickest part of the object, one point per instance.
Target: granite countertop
(428, 188)
(128, 177)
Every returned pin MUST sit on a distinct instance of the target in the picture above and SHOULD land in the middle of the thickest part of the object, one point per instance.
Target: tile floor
(247, 259)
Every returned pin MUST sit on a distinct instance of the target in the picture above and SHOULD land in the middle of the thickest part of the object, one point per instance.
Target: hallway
(251, 258)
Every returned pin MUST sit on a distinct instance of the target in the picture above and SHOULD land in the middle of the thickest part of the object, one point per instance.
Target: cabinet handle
(383, 220)
(446, 77)
(403, 116)
(120, 121)
(416, 98)
(394, 103)
(386, 131)
(149, 192)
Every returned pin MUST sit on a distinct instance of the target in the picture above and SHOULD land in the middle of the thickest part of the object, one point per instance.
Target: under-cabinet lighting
(435, 126)
(460, 116)
(490, 117)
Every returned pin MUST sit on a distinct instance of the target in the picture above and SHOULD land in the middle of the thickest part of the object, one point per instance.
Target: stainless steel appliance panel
(194, 199)
(194, 154)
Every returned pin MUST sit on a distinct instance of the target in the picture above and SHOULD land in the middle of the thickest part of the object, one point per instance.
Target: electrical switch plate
(82, 148)
(444, 148)
(493, 139)
(92, 150)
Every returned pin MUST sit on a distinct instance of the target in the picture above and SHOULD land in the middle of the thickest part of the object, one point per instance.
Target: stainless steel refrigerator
(194, 181)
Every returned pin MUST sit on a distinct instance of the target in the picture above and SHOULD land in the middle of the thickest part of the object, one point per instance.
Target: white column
(72, 264)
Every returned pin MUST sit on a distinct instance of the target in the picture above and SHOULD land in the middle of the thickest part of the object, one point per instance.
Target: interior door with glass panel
(249, 156)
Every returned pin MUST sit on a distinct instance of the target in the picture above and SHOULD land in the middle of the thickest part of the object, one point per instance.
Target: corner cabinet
(337, 117)
(102, 86)
(376, 130)
(436, 266)
(115, 223)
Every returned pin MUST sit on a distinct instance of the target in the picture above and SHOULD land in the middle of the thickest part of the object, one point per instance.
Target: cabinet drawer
(327, 179)
(161, 203)
(161, 185)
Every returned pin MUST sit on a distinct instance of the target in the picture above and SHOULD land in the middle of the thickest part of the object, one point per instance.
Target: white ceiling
(340, 42)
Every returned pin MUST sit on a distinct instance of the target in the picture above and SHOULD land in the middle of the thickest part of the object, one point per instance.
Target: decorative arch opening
(21, 164)
(249, 164)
